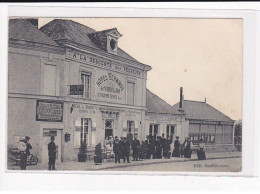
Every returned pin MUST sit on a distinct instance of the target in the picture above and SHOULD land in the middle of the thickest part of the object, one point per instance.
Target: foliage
(83, 149)
(98, 150)
(238, 133)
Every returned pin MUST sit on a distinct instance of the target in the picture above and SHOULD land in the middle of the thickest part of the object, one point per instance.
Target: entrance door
(109, 126)
(154, 129)
(46, 139)
(170, 131)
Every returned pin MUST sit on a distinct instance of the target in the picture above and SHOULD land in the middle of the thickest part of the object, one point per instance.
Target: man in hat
(125, 150)
(116, 150)
(28, 145)
(52, 153)
(136, 148)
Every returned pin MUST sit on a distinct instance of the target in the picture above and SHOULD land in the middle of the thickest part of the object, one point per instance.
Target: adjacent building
(207, 123)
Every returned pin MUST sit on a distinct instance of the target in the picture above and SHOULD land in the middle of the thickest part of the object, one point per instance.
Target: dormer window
(107, 39)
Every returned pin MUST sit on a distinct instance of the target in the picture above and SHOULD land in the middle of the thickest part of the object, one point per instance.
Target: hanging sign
(76, 89)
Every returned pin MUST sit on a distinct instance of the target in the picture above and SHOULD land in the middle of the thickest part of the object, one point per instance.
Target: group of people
(155, 147)
(185, 149)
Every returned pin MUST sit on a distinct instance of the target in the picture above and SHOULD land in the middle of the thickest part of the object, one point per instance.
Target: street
(214, 165)
(216, 162)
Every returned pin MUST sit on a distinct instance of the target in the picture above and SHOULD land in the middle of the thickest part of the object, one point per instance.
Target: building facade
(72, 82)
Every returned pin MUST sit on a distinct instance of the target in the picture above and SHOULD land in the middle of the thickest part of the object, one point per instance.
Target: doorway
(109, 126)
(154, 129)
(46, 139)
(170, 131)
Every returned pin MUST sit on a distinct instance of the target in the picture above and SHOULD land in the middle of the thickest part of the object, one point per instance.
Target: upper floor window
(85, 81)
(130, 93)
(49, 79)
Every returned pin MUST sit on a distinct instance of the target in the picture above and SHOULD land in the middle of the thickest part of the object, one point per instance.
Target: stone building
(72, 82)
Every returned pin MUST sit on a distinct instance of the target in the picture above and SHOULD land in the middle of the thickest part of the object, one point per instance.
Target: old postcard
(125, 94)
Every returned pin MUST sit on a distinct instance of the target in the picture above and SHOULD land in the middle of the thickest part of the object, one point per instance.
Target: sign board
(49, 111)
(76, 89)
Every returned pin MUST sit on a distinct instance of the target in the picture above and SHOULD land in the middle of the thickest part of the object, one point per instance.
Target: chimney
(33, 21)
(181, 98)
(181, 101)
(205, 100)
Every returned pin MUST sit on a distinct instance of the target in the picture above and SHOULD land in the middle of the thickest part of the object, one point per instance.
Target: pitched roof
(155, 104)
(201, 110)
(22, 29)
(76, 32)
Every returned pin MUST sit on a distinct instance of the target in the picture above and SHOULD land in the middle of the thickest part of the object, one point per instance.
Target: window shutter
(124, 124)
(77, 132)
(136, 124)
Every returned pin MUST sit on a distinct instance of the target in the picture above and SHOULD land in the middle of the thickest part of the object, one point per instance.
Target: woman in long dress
(201, 151)
(187, 148)
(176, 150)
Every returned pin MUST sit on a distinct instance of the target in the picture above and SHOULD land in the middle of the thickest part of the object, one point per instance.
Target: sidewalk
(90, 166)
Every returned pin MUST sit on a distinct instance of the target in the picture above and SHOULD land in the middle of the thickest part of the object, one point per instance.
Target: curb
(158, 162)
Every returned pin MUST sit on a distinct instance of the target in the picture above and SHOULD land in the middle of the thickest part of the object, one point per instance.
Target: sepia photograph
(125, 94)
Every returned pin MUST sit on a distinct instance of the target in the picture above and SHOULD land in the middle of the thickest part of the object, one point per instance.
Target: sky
(204, 56)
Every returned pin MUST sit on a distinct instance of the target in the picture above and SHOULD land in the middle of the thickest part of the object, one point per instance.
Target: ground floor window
(132, 132)
(154, 129)
(85, 126)
(109, 126)
(207, 137)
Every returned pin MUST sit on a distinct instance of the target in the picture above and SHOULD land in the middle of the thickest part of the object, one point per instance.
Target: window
(131, 129)
(49, 80)
(109, 125)
(130, 93)
(85, 125)
(85, 81)
(154, 129)
(170, 131)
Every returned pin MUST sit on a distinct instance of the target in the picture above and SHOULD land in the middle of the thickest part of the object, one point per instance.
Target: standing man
(136, 147)
(163, 144)
(126, 150)
(116, 150)
(28, 145)
(52, 154)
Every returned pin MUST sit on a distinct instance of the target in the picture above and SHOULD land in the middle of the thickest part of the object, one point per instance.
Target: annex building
(72, 82)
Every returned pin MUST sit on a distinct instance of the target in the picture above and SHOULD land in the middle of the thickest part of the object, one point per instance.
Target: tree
(238, 135)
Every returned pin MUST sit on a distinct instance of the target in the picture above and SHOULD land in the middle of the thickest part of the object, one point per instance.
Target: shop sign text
(103, 63)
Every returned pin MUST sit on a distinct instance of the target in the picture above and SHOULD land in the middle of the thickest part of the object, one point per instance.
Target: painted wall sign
(85, 108)
(103, 63)
(49, 111)
(110, 86)
(160, 118)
